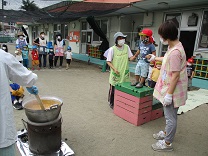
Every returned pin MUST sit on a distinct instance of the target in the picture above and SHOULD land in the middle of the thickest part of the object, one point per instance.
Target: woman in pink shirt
(171, 87)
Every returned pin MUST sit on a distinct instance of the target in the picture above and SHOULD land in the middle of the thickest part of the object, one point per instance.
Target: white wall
(184, 20)
(113, 27)
(157, 21)
(124, 24)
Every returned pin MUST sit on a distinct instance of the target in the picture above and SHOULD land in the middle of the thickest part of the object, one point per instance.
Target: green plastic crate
(138, 92)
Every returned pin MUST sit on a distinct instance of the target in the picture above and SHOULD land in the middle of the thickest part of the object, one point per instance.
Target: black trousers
(50, 62)
(56, 59)
(44, 60)
(111, 96)
(153, 83)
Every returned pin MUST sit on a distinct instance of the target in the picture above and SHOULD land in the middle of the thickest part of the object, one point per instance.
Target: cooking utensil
(40, 116)
(40, 102)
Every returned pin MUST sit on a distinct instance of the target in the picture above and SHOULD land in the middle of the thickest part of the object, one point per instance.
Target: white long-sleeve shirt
(10, 69)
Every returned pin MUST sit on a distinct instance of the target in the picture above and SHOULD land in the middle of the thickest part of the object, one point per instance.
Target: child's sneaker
(159, 136)
(139, 85)
(160, 146)
(17, 106)
(134, 83)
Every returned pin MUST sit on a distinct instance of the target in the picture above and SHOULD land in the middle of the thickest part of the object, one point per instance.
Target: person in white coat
(11, 70)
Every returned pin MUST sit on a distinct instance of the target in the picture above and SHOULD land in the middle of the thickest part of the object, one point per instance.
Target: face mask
(121, 42)
(21, 37)
(146, 40)
(51, 50)
(188, 64)
(59, 37)
(163, 42)
(158, 67)
(4, 48)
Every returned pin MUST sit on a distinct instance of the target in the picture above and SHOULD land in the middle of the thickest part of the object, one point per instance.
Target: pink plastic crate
(129, 104)
(155, 114)
(132, 98)
(131, 117)
(146, 107)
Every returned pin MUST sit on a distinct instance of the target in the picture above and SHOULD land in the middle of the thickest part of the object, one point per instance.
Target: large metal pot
(40, 116)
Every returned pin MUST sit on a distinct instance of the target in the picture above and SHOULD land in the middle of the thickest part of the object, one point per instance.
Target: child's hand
(116, 71)
(150, 57)
(132, 58)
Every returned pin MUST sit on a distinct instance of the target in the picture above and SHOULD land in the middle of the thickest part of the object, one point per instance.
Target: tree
(29, 6)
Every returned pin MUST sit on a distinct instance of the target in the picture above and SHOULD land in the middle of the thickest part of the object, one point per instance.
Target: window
(34, 32)
(103, 26)
(203, 40)
(60, 29)
(11, 23)
(84, 25)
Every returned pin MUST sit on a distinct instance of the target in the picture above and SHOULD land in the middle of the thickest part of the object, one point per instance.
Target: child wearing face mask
(18, 54)
(190, 72)
(149, 80)
(35, 59)
(21, 41)
(118, 60)
(146, 47)
(68, 54)
(51, 57)
(155, 74)
(25, 54)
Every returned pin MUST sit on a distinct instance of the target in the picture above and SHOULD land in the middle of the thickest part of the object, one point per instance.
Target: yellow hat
(158, 63)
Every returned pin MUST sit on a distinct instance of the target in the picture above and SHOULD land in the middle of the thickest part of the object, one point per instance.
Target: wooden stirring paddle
(40, 102)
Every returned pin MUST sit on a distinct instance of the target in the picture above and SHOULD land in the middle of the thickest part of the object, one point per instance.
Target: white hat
(116, 35)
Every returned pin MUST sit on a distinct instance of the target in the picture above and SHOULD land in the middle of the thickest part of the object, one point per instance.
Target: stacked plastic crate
(94, 51)
(135, 105)
(200, 73)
